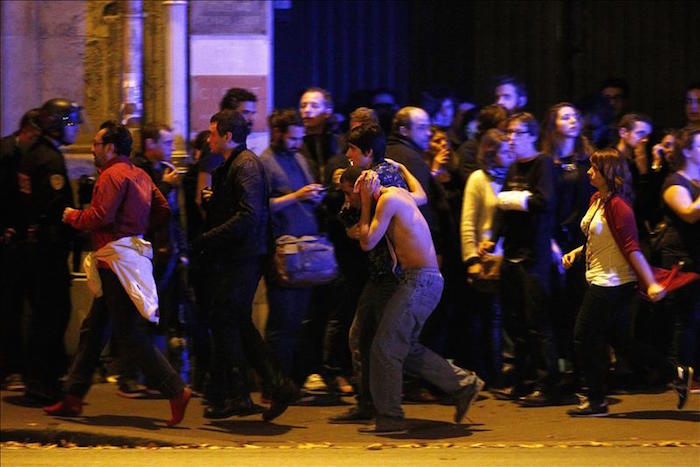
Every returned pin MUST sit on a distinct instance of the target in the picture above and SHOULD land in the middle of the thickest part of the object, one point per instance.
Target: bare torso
(408, 231)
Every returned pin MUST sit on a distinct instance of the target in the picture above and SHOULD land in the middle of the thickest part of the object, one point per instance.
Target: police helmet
(56, 115)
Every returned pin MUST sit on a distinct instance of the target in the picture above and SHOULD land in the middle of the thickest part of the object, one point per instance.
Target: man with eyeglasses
(524, 220)
(125, 202)
(44, 243)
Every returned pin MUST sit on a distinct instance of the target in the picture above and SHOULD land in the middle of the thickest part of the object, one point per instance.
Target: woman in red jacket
(614, 265)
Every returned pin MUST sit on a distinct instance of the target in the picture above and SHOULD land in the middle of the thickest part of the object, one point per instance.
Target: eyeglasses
(516, 132)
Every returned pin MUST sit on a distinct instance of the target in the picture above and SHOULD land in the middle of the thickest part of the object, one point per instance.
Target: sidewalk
(108, 419)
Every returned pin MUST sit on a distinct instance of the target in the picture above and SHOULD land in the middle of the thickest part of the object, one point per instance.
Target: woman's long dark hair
(550, 136)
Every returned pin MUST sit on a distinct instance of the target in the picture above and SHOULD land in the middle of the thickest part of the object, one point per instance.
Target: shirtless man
(395, 344)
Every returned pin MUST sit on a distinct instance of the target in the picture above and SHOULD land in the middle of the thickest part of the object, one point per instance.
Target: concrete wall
(43, 53)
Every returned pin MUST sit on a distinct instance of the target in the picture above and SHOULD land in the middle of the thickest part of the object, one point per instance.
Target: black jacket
(237, 215)
(45, 192)
(436, 211)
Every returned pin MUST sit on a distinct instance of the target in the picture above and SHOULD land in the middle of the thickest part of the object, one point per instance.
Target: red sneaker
(178, 404)
(70, 406)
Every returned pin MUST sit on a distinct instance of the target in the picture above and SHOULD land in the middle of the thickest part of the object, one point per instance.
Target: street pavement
(638, 420)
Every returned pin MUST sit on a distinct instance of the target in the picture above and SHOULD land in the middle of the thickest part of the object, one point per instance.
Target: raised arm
(372, 229)
(414, 186)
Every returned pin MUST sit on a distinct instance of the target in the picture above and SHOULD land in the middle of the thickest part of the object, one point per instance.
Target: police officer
(44, 192)
(11, 149)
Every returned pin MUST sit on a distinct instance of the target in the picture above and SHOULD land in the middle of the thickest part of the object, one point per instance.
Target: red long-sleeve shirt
(124, 203)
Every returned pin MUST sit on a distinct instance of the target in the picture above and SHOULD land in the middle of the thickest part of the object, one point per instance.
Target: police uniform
(44, 193)
(10, 298)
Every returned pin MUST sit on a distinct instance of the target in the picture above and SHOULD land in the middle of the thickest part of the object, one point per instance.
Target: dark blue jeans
(128, 331)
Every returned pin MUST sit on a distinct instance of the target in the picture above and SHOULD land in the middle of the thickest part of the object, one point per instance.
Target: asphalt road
(642, 429)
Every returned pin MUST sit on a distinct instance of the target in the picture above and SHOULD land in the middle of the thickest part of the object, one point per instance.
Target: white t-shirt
(606, 266)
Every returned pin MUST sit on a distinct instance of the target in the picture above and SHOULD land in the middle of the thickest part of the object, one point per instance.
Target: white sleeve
(514, 200)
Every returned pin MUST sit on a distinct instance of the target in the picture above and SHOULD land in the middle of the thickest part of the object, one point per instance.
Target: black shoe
(282, 397)
(130, 390)
(353, 415)
(465, 397)
(682, 385)
(386, 426)
(239, 406)
(540, 398)
(589, 409)
(510, 394)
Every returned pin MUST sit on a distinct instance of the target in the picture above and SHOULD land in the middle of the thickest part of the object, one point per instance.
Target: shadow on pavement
(21, 401)
(435, 430)
(681, 416)
(147, 423)
(321, 400)
(249, 427)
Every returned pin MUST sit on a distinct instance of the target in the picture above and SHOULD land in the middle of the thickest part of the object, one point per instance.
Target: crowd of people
(550, 261)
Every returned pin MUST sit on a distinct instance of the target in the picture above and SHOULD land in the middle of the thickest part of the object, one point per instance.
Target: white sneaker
(315, 383)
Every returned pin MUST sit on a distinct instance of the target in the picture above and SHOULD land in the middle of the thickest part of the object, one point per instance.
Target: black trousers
(237, 344)
(128, 331)
(607, 316)
(46, 279)
(526, 315)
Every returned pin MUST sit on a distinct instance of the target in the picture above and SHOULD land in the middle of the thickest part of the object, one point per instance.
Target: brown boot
(70, 406)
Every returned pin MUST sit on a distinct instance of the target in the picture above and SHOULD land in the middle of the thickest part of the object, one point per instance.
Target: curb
(67, 438)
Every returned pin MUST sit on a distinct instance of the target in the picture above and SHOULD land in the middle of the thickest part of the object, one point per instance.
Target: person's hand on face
(640, 156)
(368, 182)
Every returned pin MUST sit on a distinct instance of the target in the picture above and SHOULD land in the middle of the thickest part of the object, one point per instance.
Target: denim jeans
(134, 343)
(396, 345)
(375, 295)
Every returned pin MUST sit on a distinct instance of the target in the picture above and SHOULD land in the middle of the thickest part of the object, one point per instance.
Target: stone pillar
(176, 72)
(131, 109)
(20, 89)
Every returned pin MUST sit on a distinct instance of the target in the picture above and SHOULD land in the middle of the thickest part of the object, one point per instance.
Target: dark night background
(561, 49)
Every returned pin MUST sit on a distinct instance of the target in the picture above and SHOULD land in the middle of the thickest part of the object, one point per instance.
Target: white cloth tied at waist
(129, 258)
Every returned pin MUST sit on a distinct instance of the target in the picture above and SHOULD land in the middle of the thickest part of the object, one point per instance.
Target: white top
(606, 266)
(130, 260)
(478, 206)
